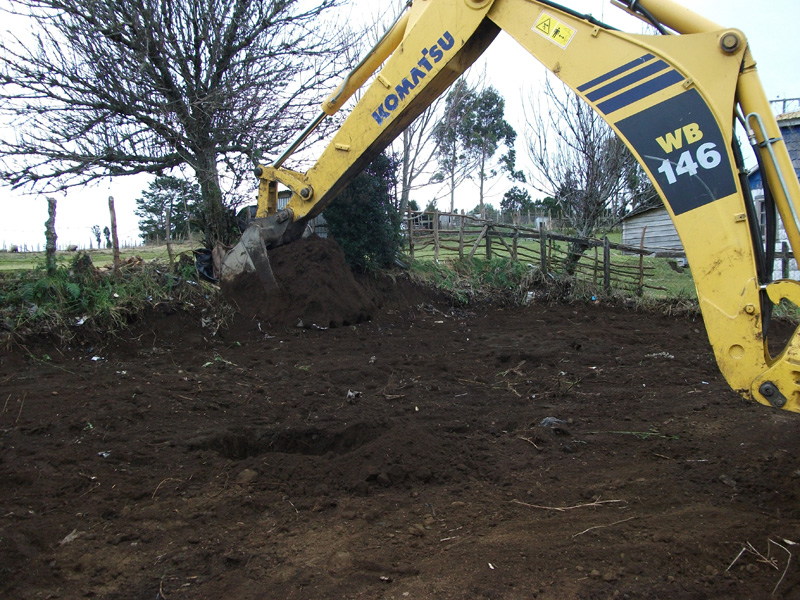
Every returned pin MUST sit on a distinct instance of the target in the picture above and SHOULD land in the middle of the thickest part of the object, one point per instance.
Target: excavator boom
(672, 98)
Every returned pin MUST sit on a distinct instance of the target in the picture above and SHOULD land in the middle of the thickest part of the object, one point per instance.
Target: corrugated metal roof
(641, 210)
(788, 116)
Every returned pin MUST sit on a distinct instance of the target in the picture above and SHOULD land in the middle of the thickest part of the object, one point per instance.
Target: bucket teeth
(249, 255)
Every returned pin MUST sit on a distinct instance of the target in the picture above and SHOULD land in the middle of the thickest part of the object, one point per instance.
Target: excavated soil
(315, 288)
(392, 448)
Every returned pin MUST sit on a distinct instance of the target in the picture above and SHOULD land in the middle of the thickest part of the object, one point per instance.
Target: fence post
(606, 266)
(461, 238)
(478, 241)
(114, 238)
(784, 260)
(489, 233)
(435, 235)
(50, 236)
(170, 252)
(411, 235)
(543, 247)
(514, 243)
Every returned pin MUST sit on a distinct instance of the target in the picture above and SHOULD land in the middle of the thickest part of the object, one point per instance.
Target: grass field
(25, 261)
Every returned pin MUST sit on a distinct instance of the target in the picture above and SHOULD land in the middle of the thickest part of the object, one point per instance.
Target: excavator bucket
(250, 254)
(247, 257)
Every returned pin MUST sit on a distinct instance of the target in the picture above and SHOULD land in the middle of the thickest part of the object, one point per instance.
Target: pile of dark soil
(315, 288)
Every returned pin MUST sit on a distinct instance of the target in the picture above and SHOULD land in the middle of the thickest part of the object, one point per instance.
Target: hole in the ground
(237, 445)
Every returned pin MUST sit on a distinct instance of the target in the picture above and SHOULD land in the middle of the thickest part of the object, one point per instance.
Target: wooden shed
(660, 235)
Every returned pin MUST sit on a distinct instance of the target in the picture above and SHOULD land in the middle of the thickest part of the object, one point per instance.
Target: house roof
(789, 116)
(642, 210)
(784, 120)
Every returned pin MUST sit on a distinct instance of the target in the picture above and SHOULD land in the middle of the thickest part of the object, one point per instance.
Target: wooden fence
(468, 236)
(785, 256)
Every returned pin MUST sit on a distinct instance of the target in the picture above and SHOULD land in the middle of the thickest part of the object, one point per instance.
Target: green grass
(25, 261)
(662, 281)
(676, 282)
(78, 298)
(476, 280)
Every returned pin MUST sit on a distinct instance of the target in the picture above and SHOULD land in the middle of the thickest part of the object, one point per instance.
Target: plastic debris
(70, 537)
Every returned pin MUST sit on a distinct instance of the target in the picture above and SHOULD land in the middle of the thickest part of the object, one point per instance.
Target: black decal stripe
(629, 79)
(648, 88)
(619, 70)
(684, 192)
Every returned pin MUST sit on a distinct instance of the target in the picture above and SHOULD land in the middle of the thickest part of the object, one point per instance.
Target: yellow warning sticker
(554, 30)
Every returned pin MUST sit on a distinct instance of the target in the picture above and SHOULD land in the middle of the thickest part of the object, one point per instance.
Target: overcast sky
(768, 26)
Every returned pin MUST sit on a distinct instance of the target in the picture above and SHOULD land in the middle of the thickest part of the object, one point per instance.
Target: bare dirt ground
(574, 451)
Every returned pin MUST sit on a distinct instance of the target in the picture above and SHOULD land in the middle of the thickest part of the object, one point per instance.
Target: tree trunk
(404, 198)
(188, 219)
(406, 191)
(216, 225)
(574, 254)
(50, 236)
(453, 180)
(452, 192)
(411, 236)
(170, 253)
(481, 177)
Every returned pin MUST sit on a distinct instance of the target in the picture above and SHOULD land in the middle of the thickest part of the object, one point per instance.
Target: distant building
(316, 225)
(660, 235)
(790, 131)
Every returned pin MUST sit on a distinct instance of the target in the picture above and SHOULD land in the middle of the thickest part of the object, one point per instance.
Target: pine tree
(178, 197)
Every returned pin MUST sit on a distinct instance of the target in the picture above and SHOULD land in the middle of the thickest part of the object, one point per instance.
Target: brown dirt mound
(316, 288)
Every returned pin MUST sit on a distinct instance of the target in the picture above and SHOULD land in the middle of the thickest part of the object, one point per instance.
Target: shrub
(363, 220)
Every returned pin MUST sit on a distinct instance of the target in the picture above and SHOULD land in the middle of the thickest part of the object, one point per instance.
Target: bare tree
(117, 87)
(577, 159)
(416, 150)
(638, 193)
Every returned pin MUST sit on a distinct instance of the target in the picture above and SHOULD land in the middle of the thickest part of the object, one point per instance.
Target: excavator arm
(672, 98)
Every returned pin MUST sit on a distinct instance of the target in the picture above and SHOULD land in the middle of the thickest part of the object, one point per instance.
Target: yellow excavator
(674, 98)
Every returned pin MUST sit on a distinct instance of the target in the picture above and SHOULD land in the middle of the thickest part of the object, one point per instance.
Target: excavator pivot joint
(730, 42)
(478, 4)
(773, 395)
